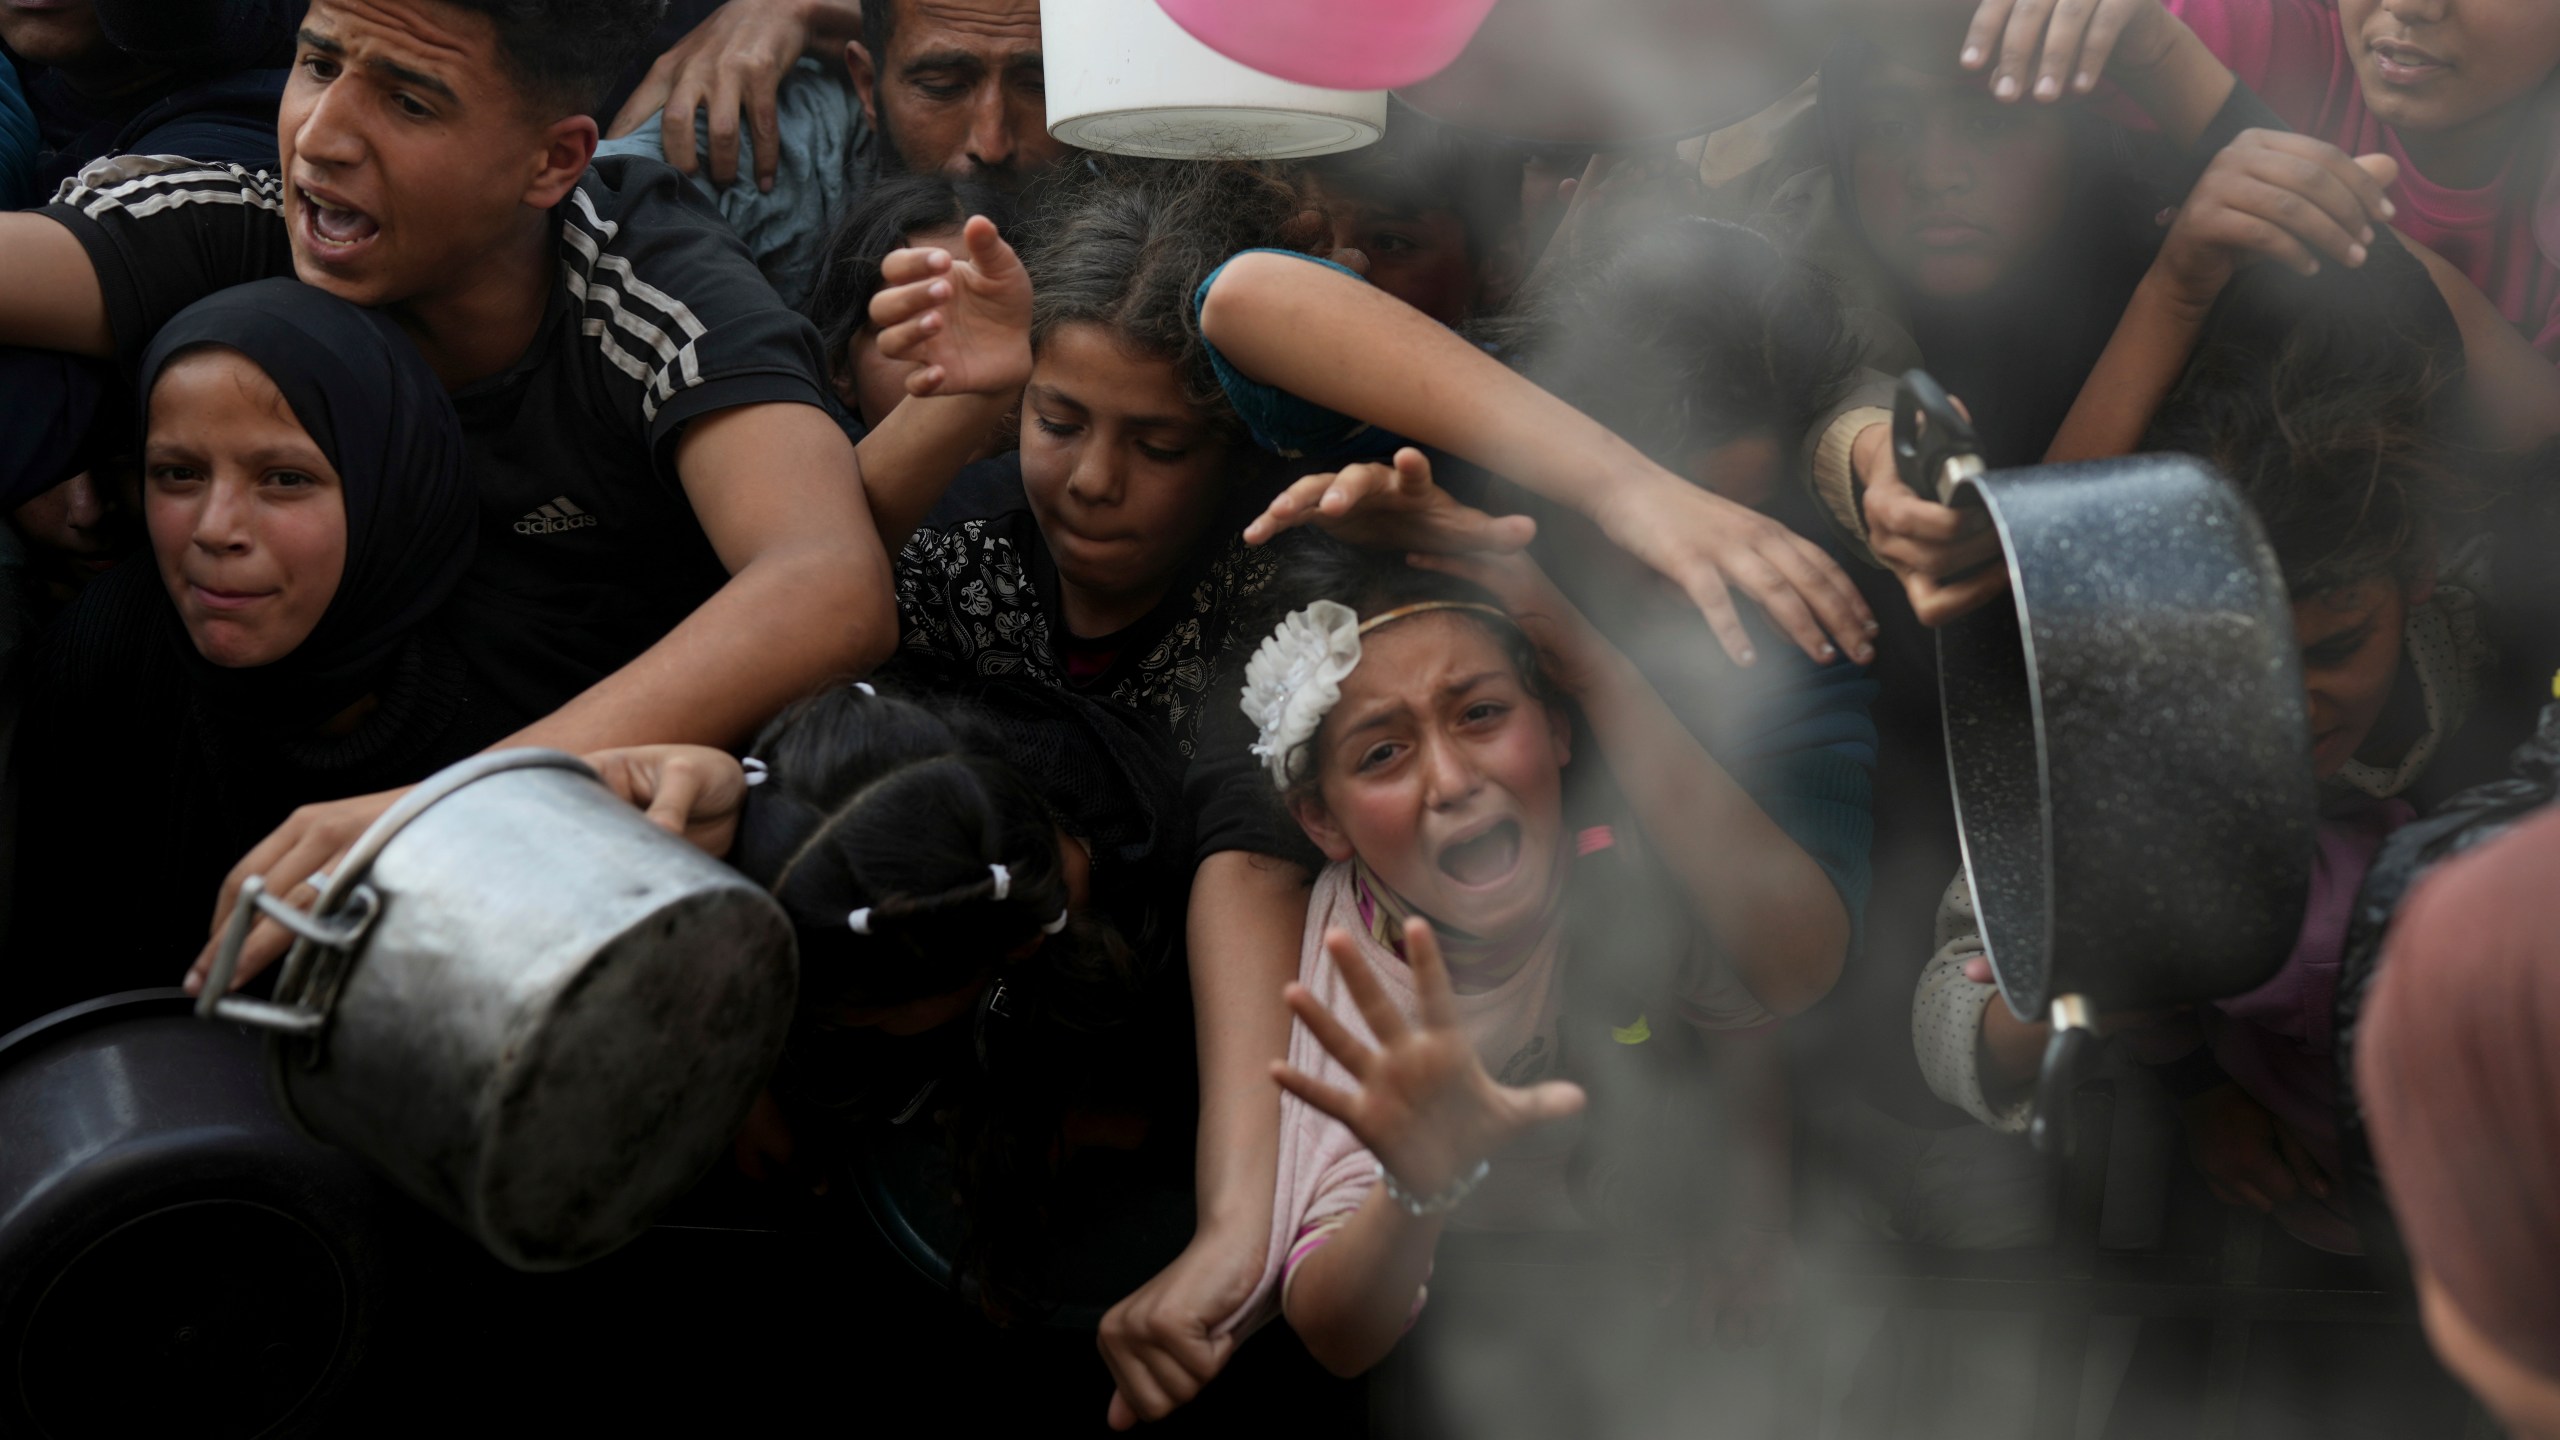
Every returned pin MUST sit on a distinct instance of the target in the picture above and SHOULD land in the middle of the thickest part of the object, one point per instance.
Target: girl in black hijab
(309, 514)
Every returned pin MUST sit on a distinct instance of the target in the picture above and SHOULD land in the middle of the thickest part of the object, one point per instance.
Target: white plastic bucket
(1123, 77)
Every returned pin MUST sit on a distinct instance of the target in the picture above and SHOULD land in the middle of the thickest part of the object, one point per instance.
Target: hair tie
(757, 774)
(1054, 926)
(1004, 880)
(859, 922)
(865, 687)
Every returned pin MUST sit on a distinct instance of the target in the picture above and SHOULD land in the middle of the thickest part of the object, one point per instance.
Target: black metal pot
(175, 1258)
(2126, 735)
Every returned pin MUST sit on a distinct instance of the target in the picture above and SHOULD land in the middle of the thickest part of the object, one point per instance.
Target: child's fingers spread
(1785, 606)
(1412, 470)
(987, 249)
(1430, 975)
(2312, 198)
(1331, 1033)
(897, 304)
(1355, 484)
(1342, 1105)
(925, 382)
(905, 267)
(1385, 1021)
(1836, 603)
(1707, 591)
(1550, 1101)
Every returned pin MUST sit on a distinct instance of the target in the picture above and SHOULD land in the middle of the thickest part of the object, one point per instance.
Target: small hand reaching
(690, 791)
(967, 320)
(2276, 194)
(1425, 1106)
(1710, 547)
(1395, 506)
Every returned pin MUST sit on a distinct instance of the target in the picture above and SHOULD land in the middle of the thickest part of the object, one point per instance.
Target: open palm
(965, 319)
(1425, 1106)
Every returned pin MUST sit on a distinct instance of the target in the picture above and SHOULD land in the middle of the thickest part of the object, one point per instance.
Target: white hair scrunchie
(1004, 880)
(757, 773)
(859, 922)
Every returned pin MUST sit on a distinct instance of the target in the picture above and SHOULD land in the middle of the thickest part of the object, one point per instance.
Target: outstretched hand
(690, 791)
(1395, 506)
(1710, 547)
(1425, 1106)
(965, 319)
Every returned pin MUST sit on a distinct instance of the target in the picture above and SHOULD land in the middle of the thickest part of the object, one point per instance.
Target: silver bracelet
(1421, 1206)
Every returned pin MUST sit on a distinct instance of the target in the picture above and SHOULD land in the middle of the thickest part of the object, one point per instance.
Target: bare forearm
(2514, 392)
(1248, 920)
(783, 626)
(1351, 1298)
(2140, 366)
(49, 298)
(909, 459)
(1767, 902)
(1350, 347)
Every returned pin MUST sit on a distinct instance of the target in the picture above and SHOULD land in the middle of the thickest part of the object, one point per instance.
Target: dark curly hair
(2328, 399)
(1125, 243)
(566, 55)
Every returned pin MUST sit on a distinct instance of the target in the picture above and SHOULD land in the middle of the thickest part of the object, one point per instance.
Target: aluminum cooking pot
(540, 1014)
(2126, 734)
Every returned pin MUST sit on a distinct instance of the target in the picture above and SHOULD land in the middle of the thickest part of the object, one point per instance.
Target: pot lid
(1598, 73)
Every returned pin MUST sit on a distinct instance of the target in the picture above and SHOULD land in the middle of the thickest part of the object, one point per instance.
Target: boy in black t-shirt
(675, 538)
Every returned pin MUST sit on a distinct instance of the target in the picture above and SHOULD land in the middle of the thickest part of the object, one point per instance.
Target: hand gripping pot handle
(327, 935)
(1934, 446)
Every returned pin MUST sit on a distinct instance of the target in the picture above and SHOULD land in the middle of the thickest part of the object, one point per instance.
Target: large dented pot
(542, 1016)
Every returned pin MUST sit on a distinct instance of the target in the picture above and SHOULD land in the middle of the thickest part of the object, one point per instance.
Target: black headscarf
(368, 400)
(2018, 353)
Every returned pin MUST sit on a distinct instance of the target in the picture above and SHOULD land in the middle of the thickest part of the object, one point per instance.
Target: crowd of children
(1390, 687)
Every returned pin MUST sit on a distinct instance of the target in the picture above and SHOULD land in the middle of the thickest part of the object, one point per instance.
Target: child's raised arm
(1747, 882)
(1427, 1110)
(2271, 193)
(1341, 343)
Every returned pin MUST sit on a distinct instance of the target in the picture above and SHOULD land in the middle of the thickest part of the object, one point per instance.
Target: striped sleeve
(164, 231)
(675, 319)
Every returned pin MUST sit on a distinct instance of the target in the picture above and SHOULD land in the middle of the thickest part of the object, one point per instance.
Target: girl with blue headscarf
(304, 489)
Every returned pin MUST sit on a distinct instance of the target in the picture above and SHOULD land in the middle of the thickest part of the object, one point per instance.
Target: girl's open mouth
(1487, 859)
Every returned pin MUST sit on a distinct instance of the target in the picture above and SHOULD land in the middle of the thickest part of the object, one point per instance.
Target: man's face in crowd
(961, 91)
(52, 32)
(410, 156)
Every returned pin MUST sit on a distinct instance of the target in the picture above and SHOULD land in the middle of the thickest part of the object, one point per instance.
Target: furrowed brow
(407, 76)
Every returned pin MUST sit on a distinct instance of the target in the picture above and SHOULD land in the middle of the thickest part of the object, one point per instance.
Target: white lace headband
(1295, 679)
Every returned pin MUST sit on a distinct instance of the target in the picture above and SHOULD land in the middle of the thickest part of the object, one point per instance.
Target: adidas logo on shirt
(554, 518)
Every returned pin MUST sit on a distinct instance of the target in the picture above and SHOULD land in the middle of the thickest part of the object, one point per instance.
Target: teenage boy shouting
(675, 538)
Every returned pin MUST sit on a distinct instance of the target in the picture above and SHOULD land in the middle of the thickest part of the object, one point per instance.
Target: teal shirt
(826, 161)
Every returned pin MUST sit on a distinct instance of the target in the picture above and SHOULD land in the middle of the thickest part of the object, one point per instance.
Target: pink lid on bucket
(1336, 44)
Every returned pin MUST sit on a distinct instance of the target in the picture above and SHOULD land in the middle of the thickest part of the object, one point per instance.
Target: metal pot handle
(2066, 1056)
(1936, 456)
(340, 931)
(345, 909)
